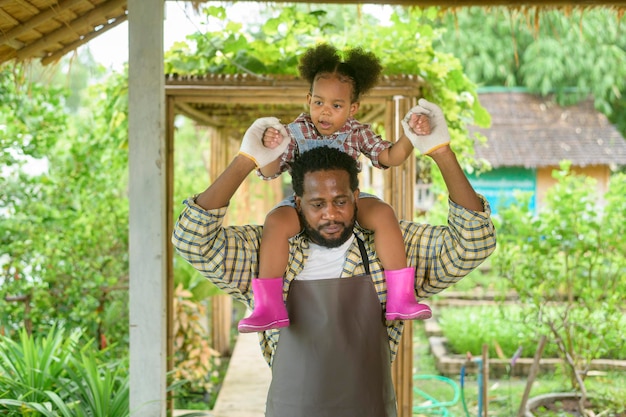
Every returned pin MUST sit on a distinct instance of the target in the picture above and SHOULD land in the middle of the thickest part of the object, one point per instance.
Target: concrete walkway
(247, 380)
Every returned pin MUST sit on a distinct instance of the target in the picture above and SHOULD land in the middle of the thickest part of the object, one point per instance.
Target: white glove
(252, 143)
(439, 135)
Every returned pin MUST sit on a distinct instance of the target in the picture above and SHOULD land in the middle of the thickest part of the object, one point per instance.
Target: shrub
(506, 327)
(53, 376)
(567, 266)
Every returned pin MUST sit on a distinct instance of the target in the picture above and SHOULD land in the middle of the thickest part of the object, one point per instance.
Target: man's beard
(317, 238)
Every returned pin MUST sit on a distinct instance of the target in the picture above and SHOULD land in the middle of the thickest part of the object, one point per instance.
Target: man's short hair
(322, 158)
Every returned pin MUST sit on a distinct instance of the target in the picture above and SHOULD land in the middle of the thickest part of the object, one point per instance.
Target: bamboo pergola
(231, 103)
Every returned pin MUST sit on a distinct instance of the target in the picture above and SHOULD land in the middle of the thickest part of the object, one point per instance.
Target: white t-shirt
(324, 263)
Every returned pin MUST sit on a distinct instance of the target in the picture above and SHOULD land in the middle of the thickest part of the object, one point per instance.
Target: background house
(530, 135)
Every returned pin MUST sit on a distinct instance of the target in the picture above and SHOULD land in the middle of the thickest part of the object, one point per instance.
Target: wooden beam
(170, 115)
(197, 115)
(74, 45)
(399, 183)
(69, 31)
(26, 5)
(229, 94)
(374, 114)
(37, 20)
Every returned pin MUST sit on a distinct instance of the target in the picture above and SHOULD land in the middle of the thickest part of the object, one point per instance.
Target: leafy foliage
(573, 54)
(64, 229)
(194, 357)
(567, 265)
(506, 328)
(31, 117)
(275, 46)
(53, 376)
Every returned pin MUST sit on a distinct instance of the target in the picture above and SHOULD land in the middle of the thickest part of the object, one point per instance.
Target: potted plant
(567, 265)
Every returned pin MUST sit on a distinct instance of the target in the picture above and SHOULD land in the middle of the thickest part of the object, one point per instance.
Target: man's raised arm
(219, 193)
(436, 145)
(252, 154)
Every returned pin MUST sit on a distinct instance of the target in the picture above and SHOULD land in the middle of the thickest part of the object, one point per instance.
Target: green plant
(505, 394)
(52, 376)
(195, 360)
(567, 266)
(505, 328)
(64, 228)
(33, 365)
(275, 46)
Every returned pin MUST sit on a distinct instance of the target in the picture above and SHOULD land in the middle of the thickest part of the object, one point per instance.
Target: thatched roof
(49, 29)
(532, 131)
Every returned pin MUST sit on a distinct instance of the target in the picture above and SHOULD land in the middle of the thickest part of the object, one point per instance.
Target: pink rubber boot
(401, 302)
(269, 308)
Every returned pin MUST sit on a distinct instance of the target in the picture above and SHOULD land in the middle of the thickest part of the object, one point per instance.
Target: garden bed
(450, 364)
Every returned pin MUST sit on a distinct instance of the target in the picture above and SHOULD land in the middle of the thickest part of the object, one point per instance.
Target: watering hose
(467, 414)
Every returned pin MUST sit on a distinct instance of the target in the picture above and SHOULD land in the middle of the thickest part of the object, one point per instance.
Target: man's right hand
(252, 144)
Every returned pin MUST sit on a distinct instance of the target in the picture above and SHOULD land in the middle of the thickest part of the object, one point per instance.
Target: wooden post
(221, 317)
(170, 114)
(28, 324)
(399, 193)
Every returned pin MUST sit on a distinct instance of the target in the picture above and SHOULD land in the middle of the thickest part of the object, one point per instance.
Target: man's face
(327, 208)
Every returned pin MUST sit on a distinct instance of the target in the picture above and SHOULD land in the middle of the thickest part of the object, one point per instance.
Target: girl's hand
(420, 123)
(272, 138)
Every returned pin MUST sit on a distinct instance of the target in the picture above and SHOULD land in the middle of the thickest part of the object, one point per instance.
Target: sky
(111, 48)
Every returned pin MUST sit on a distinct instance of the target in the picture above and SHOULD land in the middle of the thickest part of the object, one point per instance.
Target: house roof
(532, 131)
(49, 29)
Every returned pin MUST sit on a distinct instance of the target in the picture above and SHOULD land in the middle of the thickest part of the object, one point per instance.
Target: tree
(64, 230)
(574, 54)
(567, 266)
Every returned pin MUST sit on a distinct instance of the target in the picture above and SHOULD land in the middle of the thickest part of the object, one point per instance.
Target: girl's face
(330, 103)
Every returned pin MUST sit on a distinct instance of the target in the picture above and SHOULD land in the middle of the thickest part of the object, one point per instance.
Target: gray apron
(333, 360)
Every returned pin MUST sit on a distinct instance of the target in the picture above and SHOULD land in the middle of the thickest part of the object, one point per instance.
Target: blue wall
(499, 185)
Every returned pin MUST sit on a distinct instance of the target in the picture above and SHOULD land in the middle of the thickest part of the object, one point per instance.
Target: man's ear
(298, 201)
(356, 194)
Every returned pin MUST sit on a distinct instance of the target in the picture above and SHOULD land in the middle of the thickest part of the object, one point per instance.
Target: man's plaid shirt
(228, 256)
(361, 140)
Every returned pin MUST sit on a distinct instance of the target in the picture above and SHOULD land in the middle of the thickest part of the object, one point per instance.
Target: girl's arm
(403, 148)
(396, 154)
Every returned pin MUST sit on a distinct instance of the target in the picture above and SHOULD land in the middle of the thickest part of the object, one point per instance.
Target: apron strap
(366, 261)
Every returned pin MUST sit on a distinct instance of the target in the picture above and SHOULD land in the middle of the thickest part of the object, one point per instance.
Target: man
(334, 359)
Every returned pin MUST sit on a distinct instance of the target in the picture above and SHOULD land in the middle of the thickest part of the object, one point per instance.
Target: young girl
(336, 88)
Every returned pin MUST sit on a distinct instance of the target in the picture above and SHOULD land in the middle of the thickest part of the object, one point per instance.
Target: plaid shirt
(228, 256)
(361, 140)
